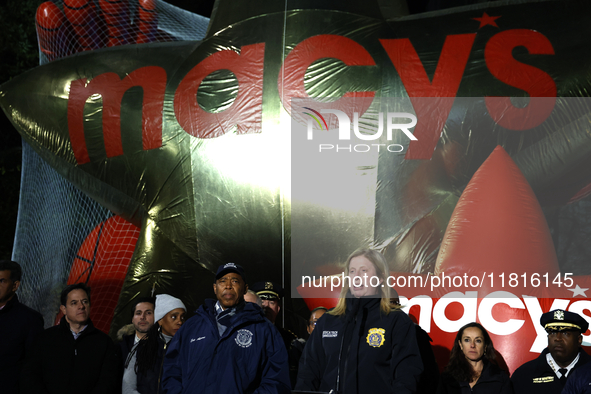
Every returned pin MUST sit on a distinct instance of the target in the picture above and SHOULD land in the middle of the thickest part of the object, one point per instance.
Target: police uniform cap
(561, 320)
(268, 290)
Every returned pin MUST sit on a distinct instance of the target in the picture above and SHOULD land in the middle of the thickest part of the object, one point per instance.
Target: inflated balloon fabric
(497, 225)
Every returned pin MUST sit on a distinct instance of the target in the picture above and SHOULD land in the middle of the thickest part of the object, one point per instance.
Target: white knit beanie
(164, 304)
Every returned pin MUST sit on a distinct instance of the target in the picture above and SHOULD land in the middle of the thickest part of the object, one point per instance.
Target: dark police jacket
(579, 381)
(492, 380)
(60, 364)
(249, 357)
(19, 326)
(536, 376)
(378, 353)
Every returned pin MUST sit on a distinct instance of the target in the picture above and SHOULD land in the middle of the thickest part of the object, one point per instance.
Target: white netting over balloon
(63, 236)
(71, 26)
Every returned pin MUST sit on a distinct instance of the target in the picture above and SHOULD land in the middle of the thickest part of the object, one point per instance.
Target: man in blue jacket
(228, 346)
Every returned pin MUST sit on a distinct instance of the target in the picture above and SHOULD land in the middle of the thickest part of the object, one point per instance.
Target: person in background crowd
(291, 325)
(472, 366)
(126, 330)
(142, 319)
(548, 373)
(228, 346)
(363, 345)
(271, 293)
(72, 357)
(143, 367)
(314, 316)
(19, 326)
(251, 296)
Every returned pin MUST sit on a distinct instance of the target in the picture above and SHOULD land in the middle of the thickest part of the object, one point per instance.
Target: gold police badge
(375, 337)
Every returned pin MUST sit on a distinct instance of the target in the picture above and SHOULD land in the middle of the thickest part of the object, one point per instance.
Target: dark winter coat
(579, 381)
(125, 346)
(60, 364)
(149, 382)
(378, 353)
(430, 377)
(249, 357)
(536, 376)
(19, 326)
(493, 380)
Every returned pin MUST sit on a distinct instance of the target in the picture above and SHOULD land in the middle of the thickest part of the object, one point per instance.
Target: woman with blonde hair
(364, 344)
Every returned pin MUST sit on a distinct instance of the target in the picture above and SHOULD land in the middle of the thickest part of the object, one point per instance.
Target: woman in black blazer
(472, 367)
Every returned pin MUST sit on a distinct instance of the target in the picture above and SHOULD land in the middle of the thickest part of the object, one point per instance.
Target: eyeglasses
(312, 323)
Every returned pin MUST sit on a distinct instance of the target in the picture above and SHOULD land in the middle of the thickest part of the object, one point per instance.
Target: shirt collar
(218, 308)
(76, 335)
(554, 365)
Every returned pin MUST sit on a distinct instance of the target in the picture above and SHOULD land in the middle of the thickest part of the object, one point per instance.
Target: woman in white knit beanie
(143, 367)
(169, 313)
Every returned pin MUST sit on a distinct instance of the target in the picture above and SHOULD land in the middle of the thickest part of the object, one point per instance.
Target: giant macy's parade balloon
(234, 148)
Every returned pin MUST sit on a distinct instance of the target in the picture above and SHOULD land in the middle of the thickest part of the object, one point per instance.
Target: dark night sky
(201, 7)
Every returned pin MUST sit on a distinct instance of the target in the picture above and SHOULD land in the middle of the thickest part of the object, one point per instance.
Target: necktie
(563, 371)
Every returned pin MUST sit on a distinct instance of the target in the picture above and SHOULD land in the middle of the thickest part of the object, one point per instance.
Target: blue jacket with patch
(249, 358)
(364, 350)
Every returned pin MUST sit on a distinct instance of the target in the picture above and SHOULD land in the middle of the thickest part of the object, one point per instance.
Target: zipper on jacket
(161, 366)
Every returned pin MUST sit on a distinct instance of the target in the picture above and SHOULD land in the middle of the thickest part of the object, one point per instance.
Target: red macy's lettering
(445, 84)
(246, 108)
(153, 81)
(248, 67)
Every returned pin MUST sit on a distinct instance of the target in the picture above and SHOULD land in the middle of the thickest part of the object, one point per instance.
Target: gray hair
(258, 301)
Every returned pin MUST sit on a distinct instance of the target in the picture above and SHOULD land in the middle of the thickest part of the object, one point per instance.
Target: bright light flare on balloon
(254, 159)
